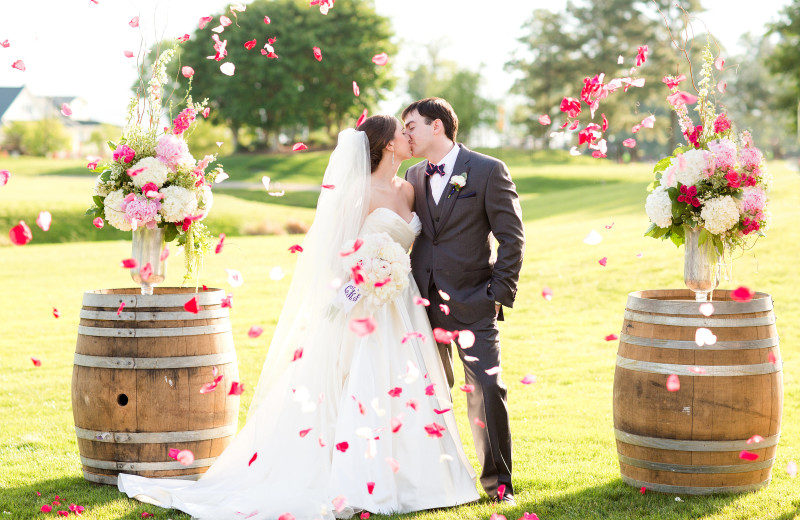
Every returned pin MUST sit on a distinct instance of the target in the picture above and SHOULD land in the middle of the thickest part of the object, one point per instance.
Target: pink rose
(124, 153)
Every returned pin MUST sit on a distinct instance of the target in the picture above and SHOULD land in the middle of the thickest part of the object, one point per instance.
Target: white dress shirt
(439, 182)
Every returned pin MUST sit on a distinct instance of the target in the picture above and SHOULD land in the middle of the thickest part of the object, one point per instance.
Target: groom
(462, 198)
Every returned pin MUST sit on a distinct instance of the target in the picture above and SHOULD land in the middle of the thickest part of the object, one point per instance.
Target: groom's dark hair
(433, 108)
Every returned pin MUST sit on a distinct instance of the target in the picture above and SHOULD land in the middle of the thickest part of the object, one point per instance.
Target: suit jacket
(456, 252)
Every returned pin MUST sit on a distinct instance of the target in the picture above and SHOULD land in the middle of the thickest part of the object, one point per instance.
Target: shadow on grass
(23, 503)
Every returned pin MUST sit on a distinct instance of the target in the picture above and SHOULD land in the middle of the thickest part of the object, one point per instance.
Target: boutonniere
(458, 182)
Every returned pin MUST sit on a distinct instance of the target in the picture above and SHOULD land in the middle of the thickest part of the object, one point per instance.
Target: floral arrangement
(153, 180)
(379, 267)
(717, 181)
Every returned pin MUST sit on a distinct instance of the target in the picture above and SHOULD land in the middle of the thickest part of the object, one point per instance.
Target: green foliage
(785, 60)
(294, 91)
(40, 138)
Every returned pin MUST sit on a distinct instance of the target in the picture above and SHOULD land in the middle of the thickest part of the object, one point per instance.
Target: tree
(294, 91)
(42, 138)
(561, 49)
(785, 62)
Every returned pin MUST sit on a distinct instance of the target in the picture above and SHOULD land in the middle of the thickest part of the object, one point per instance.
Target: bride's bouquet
(379, 267)
(717, 182)
(153, 180)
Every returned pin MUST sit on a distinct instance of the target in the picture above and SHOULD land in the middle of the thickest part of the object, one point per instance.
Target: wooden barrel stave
(713, 407)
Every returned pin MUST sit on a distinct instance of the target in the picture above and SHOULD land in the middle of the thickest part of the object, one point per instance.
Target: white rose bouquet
(380, 268)
(152, 179)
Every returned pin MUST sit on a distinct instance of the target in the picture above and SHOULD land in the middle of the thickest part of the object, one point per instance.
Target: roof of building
(7, 96)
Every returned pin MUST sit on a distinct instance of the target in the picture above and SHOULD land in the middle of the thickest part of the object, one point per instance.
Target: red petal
(772, 359)
(134, 22)
(130, 263)
(4, 176)
(356, 90)
(479, 423)
(36, 362)
(298, 147)
(19, 65)
(445, 309)
(66, 110)
(128, 54)
(296, 249)
(56, 313)
(185, 457)
(440, 412)
(603, 261)
(612, 337)
(20, 234)
(742, 294)
(303, 433)
(121, 306)
(267, 20)
(421, 301)
(298, 354)
(253, 459)
(255, 331)
(395, 392)
(362, 118)
(342, 446)
(412, 403)
(429, 390)
(380, 59)
(191, 306)
(528, 379)
(164, 253)
(544, 119)
(673, 383)
(187, 71)
(643, 490)
(629, 143)
(501, 490)
(204, 21)
(363, 327)
(370, 487)
(183, 38)
(317, 53)
(605, 122)
(236, 388)
(719, 63)
(444, 336)
(250, 44)
(98, 223)
(467, 388)
(746, 455)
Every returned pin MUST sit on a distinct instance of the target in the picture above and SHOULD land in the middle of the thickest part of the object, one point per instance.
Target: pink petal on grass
(356, 90)
(362, 118)
(380, 59)
(544, 119)
(236, 388)
(46, 508)
(19, 65)
(612, 337)
(36, 362)
(363, 326)
(4, 176)
(185, 457)
(547, 293)
(66, 110)
(20, 234)
(43, 220)
(187, 71)
(467, 388)
(191, 306)
(528, 379)
(673, 383)
(603, 261)
(299, 147)
(56, 314)
(255, 331)
(747, 455)
(742, 294)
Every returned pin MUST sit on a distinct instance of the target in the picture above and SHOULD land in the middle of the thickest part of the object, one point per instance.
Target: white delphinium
(154, 171)
(178, 203)
(658, 207)
(720, 214)
(113, 211)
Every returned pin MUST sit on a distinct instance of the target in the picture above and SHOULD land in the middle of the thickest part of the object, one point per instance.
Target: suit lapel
(421, 197)
(448, 203)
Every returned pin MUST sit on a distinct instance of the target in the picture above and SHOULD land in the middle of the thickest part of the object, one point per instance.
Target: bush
(42, 138)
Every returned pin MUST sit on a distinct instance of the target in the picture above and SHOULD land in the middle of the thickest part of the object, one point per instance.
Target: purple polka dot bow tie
(434, 168)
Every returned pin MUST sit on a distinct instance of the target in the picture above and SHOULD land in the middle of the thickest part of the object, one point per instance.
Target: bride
(343, 419)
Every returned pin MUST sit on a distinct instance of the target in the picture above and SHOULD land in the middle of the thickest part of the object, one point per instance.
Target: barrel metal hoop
(691, 345)
(153, 333)
(697, 370)
(691, 308)
(677, 321)
(111, 480)
(144, 466)
(98, 299)
(693, 490)
(688, 445)
(154, 316)
(155, 437)
(155, 363)
(687, 468)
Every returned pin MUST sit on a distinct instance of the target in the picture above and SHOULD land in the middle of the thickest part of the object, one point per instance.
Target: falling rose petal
(722, 86)
(66, 110)
(328, 187)
(36, 362)
(222, 175)
(747, 455)
(339, 503)
(253, 459)
(470, 358)
(362, 118)
(574, 151)
(609, 226)
(414, 334)
(356, 90)
(4, 176)
(434, 429)
(298, 354)
(255, 331)
(342, 446)
(380, 59)
(629, 143)
(742, 294)
(528, 379)
(303, 433)
(597, 154)
(317, 53)
(707, 309)
(412, 403)
(430, 389)
(185, 457)
(363, 326)
(673, 383)
(719, 63)
(501, 490)
(128, 54)
(19, 65)
(187, 71)
(440, 412)
(421, 301)
(4, 44)
(771, 358)
(43, 220)
(593, 238)
(443, 336)
(547, 293)
(204, 21)
(445, 309)
(493, 371)
(20, 234)
(467, 388)
(704, 336)
(466, 338)
(284, 516)
(191, 306)
(234, 277)
(639, 255)
(296, 249)
(134, 22)
(236, 388)
(184, 38)
(612, 337)
(370, 487)
(356, 246)
(444, 296)
(697, 370)
(544, 119)
(56, 313)
(643, 490)
(395, 392)
(755, 439)
(603, 261)
(121, 307)
(227, 68)
(479, 423)
(299, 147)
(791, 468)
(225, 21)
(267, 20)
(250, 44)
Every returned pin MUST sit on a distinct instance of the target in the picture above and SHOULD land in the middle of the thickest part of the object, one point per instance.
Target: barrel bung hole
(122, 399)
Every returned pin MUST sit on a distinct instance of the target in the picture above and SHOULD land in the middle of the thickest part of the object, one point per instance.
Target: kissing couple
(353, 409)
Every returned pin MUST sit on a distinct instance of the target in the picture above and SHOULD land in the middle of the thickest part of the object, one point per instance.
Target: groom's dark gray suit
(454, 254)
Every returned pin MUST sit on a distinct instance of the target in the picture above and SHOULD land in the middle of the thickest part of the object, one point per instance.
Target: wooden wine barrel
(137, 379)
(689, 441)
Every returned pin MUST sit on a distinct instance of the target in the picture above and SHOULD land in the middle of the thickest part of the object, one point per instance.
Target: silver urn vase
(701, 265)
(147, 248)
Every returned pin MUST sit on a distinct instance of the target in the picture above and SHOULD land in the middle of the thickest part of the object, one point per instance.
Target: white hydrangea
(100, 187)
(669, 178)
(720, 214)
(154, 171)
(658, 207)
(113, 210)
(206, 200)
(178, 203)
(693, 166)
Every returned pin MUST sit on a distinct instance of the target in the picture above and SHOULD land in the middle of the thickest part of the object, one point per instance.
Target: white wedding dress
(340, 392)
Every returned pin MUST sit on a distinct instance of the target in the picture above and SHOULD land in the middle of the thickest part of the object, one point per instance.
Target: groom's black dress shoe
(507, 499)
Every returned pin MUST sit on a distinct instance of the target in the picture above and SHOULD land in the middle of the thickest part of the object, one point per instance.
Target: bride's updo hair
(380, 131)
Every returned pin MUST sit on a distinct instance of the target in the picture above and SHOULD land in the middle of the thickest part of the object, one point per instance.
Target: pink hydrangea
(143, 210)
(124, 152)
(184, 120)
(750, 157)
(171, 150)
(753, 200)
(724, 151)
(721, 124)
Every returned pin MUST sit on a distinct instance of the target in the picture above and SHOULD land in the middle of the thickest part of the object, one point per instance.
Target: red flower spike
(612, 337)
(252, 459)
(191, 306)
(20, 234)
(236, 388)
(296, 249)
(742, 294)
(746, 455)
(36, 362)
(342, 446)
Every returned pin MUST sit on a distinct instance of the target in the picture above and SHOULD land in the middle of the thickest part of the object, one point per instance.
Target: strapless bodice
(387, 221)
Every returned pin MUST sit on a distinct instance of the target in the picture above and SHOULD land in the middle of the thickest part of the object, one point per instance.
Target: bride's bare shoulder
(407, 190)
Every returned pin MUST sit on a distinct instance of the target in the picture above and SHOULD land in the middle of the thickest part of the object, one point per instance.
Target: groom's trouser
(486, 404)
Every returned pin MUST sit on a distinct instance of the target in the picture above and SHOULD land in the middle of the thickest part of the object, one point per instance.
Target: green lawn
(564, 450)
